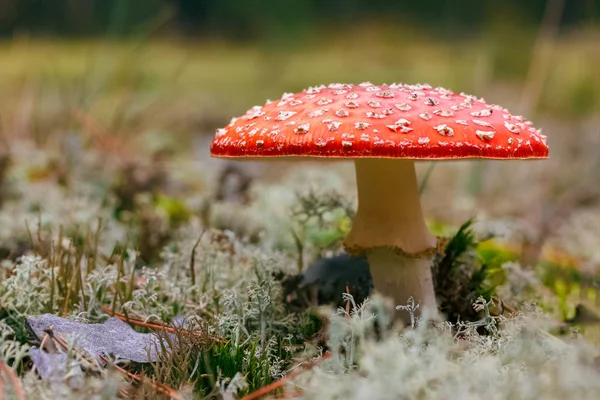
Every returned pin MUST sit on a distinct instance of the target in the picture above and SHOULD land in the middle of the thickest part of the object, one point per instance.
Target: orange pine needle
(265, 390)
(156, 327)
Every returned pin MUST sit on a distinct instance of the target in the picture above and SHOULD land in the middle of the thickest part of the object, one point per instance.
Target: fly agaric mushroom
(384, 129)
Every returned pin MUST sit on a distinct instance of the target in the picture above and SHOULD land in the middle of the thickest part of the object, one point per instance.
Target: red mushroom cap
(385, 121)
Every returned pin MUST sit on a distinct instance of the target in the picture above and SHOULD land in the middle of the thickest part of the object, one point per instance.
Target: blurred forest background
(261, 19)
(131, 77)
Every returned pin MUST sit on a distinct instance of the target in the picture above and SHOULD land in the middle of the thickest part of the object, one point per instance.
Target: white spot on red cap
(482, 123)
(444, 130)
(385, 94)
(302, 129)
(425, 116)
(461, 122)
(317, 113)
(361, 125)
(351, 104)
(352, 95)
(254, 112)
(485, 135)
(403, 107)
(283, 115)
(399, 128)
(444, 113)
(339, 86)
(334, 125)
(372, 114)
(374, 104)
(423, 140)
(512, 127)
(324, 101)
(342, 113)
(482, 113)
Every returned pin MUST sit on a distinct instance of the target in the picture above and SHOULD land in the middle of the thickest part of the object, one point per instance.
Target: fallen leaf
(113, 337)
(53, 367)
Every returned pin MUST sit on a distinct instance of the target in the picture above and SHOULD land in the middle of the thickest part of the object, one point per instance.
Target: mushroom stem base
(400, 277)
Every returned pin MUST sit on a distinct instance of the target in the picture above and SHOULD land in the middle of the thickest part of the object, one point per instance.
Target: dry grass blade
(542, 53)
(503, 306)
(14, 380)
(265, 390)
(149, 325)
(347, 303)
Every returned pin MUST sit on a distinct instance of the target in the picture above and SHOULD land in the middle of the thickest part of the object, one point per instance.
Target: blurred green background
(246, 20)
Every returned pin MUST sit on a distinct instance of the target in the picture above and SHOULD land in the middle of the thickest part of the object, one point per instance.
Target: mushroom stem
(390, 230)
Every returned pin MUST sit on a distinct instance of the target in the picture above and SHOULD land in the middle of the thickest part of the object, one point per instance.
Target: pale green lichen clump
(517, 359)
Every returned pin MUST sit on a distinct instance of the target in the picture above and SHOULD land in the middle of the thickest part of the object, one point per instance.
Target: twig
(265, 390)
(157, 327)
(14, 380)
